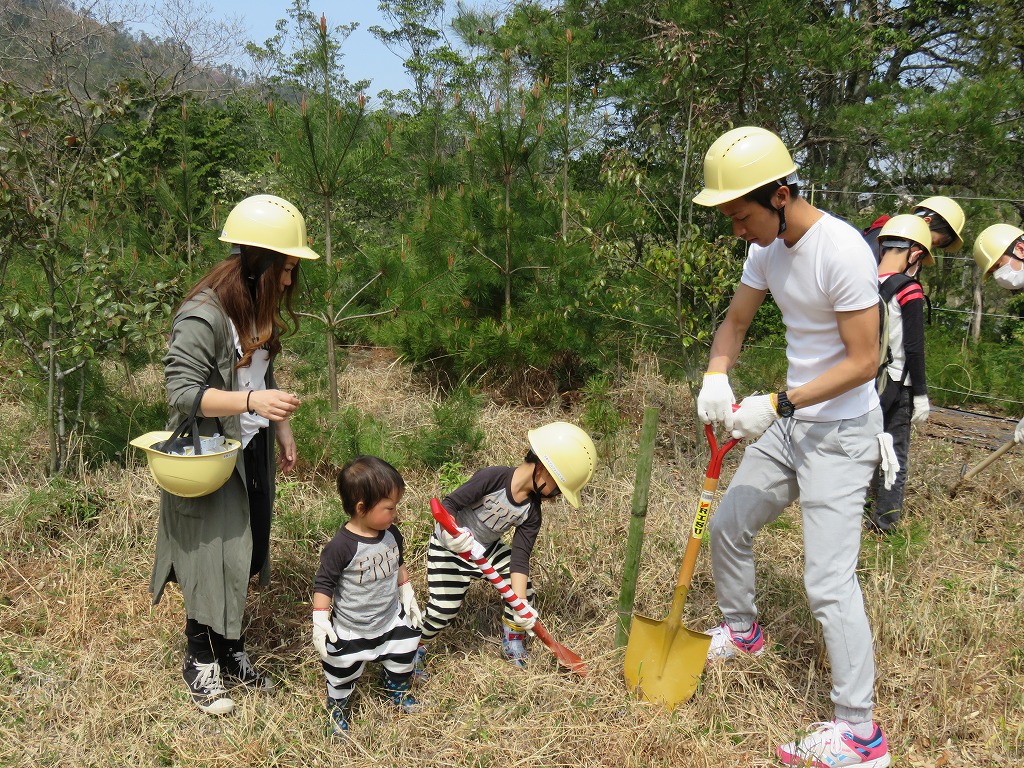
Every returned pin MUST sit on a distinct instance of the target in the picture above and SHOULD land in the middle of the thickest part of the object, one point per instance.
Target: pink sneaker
(832, 745)
(725, 644)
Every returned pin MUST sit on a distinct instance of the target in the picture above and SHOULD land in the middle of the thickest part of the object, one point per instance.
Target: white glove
(1018, 434)
(921, 409)
(890, 464)
(462, 543)
(715, 401)
(407, 597)
(527, 624)
(756, 413)
(323, 628)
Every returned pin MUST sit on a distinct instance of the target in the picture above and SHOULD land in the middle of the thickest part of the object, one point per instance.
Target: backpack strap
(893, 285)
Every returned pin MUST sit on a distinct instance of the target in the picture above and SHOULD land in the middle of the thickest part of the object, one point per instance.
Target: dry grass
(89, 672)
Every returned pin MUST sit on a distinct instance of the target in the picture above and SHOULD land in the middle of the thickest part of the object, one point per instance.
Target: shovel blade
(664, 663)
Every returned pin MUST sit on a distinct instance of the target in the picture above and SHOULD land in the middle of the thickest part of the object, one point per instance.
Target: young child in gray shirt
(364, 608)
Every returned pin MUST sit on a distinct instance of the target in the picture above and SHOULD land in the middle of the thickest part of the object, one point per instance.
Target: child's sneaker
(206, 687)
(833, 745)
(419, 670)
(398, 692)
(337, 717)
(726, 644)
(513, 646)
(238, 670)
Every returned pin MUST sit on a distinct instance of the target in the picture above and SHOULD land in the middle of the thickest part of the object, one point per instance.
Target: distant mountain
(48, 42)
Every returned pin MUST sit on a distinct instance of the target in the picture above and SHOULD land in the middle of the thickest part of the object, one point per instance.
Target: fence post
(638, 517)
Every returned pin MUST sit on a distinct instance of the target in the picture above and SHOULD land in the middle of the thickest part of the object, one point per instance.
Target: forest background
(519, 215)
(514, 227)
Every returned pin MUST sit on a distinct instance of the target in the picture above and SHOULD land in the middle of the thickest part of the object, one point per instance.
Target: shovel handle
(443, 516)
(981, 465)
(564, 655)
(702, 515)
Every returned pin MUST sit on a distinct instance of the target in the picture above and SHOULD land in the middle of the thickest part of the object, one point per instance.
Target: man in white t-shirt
(818, 437)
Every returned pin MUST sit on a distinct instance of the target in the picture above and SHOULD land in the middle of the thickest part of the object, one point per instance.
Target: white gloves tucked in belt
(890, 464)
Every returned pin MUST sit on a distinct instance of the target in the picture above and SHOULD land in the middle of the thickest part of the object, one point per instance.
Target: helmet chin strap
(538, 491)
(782, 220)
(252, 273)
(913, 267)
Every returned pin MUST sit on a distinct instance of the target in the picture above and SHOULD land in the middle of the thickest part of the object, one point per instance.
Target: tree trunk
(976, 317)
(332, 364)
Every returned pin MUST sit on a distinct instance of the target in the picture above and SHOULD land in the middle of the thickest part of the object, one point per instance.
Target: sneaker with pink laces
(726, 644)
(833, 745)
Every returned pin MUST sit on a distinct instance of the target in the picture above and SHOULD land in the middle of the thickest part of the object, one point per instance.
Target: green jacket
(205, 543)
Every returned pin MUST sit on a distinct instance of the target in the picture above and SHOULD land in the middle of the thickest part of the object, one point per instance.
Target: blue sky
(364, 56)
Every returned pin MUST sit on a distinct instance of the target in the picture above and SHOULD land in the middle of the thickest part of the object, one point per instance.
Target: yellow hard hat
(568, 454)
(268, 222)
(992, 243)
(953, 215)
(187, 476)
(909, 229)
(741, 161)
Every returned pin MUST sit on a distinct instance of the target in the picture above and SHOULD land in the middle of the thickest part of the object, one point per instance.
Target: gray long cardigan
(205, 544)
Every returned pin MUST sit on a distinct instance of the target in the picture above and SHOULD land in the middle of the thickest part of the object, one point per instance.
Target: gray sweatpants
(828, 465)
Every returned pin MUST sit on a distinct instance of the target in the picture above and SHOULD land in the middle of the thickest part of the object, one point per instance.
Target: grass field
(89, 671)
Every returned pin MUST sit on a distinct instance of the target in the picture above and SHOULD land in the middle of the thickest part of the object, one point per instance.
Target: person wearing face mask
(904, 248)
(999, 251)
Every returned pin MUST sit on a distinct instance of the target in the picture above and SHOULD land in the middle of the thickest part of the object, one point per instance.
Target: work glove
(407, 597)
(890, 464)
(458, 544)
(715, 401)
(1018, 434)
(323, 628)
(755, 414)
(527, 624)
(921, 409)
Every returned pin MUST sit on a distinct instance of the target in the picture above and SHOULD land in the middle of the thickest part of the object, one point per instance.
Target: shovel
(966, 473)
(565, 657)
(664, 660)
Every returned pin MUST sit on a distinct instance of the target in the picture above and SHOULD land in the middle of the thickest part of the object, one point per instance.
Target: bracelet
(320, 609)
(250, 410)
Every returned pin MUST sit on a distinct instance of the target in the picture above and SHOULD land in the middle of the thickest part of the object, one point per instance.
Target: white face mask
(1009, 278)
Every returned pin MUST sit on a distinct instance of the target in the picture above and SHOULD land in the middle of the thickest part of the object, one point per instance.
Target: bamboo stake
(637, 520)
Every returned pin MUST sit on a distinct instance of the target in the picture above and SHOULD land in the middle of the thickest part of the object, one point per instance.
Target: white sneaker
(206, 686)
(725, 644)
(833, 745)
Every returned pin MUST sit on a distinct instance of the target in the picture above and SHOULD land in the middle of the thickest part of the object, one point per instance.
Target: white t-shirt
(252, 377)
(830, 269)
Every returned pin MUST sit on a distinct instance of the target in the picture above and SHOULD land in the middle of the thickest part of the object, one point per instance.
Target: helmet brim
(300, 252)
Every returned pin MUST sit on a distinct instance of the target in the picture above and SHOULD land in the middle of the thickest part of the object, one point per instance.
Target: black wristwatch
(783, 406)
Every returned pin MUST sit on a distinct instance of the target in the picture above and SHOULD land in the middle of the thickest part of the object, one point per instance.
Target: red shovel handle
(563, 654)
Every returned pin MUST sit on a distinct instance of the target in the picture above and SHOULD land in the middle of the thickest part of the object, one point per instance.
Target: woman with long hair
(223, 342)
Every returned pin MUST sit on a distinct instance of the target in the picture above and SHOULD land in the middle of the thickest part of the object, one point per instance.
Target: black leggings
(260, 500)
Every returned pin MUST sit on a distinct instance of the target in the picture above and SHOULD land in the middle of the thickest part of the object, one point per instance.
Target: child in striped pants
(364, 608)
(494, 500)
